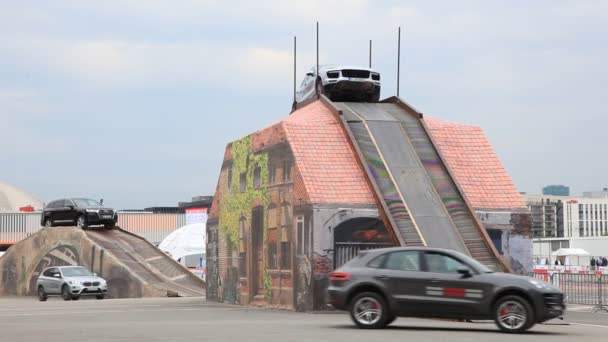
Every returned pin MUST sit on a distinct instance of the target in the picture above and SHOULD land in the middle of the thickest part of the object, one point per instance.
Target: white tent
(187, 240)
(570, 252)
(572, 256)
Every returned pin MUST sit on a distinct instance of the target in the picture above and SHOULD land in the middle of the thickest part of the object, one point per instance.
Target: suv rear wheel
(41, 294)
(81, 222)
(369, 311)
(513, 314)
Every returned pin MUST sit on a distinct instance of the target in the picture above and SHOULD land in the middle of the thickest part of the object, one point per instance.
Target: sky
(135, 101)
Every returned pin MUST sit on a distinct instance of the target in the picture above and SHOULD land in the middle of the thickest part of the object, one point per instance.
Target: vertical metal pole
(317, 70)
(370, 53)
(101, 252)
(398, 57)
(294, 69)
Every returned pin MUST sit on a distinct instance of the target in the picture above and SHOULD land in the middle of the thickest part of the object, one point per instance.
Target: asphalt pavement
(193, 319)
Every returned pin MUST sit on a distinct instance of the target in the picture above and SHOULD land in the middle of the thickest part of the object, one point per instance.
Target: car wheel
(65, 293)
(48, 223)
(41, 294)
(513, 314)
(81, 222)
(100, 297)
(369, 311)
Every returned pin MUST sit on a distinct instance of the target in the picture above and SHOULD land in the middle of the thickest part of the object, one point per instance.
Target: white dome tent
(188, 240)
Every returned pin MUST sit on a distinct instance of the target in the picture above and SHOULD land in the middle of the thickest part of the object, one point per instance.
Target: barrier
(583, 287)
(15, 227)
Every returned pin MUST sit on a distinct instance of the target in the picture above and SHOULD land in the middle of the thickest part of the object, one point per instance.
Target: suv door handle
(435, 280)
(383, 277)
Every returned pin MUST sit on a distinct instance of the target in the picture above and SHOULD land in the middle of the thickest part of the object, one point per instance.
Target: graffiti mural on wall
(58, 256)
(255, 221)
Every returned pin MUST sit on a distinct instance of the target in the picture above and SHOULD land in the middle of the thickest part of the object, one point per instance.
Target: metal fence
(15, 227)
(580, 288)
(345, 251)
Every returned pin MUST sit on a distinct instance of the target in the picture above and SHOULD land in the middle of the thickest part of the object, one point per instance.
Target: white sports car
(341, 83)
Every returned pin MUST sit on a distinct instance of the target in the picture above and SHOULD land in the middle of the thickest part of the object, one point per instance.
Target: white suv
(341, 83)
(70, 282)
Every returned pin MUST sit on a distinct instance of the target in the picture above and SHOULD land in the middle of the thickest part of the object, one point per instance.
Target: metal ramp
(422, 202)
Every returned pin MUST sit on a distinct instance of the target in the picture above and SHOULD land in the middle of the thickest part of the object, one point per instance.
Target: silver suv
(70, 282)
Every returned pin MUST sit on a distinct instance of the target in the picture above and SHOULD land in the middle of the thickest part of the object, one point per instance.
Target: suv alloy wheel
(81, 222)
(369, 311)
(513, 314)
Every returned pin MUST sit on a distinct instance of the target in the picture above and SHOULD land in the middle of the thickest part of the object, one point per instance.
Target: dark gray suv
(382, 284)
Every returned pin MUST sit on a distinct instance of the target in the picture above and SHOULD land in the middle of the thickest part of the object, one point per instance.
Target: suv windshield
(76, 272)
(83, 202)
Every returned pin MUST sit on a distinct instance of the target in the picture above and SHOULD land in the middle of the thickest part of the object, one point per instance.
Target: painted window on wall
(285, 255)
(272, 173)
(243, 247)
(243, 182)
(271, 263)
(257, 178)
(303, 238)
(229, 179)
(286, 170)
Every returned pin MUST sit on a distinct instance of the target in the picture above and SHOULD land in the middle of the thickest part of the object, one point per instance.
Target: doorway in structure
(357, 234)
(257, 252)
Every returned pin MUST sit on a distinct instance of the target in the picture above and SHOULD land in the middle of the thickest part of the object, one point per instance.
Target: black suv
(80, 212)
(382, 284)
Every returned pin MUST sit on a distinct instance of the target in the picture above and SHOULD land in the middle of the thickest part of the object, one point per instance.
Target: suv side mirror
(56, 275)
(465, 271)
(71, 207)
(101, 201)
(310, 74)
(94, 274)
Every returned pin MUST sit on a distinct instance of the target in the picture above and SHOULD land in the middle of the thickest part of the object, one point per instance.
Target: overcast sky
(134, 101)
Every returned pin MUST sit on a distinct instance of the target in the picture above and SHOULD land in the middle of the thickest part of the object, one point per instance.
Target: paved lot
(192, 319)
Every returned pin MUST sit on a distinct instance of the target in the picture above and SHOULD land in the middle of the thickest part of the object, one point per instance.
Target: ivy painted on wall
(235, 204)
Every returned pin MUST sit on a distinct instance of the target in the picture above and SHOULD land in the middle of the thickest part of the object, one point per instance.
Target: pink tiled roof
(475, 165)
(324, 158)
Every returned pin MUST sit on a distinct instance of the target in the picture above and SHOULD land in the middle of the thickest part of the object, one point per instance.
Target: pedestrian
(604, 262)
(592, 261)
(558, 262)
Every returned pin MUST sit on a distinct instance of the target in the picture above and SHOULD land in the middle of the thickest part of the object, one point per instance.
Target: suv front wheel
(513, 314)
(48, 223)
(81, 222)
(369, 311)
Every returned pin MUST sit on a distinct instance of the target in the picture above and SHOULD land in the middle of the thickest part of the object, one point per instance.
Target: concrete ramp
(132, 266)
(422, 201)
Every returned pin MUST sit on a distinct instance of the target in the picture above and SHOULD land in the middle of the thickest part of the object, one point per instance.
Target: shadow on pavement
(455, 329)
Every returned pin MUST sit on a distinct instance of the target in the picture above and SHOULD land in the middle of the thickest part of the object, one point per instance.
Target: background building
(556, 190)
(569, 222)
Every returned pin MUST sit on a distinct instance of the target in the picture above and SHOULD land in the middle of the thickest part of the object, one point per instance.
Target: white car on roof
(341, 83)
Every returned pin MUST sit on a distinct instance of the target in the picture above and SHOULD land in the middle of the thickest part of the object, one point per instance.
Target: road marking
(115, 307)
(590, 325)
(96, 312)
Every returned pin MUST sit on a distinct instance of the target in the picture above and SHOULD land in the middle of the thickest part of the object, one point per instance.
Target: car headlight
(539, 284)
(74, 282)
